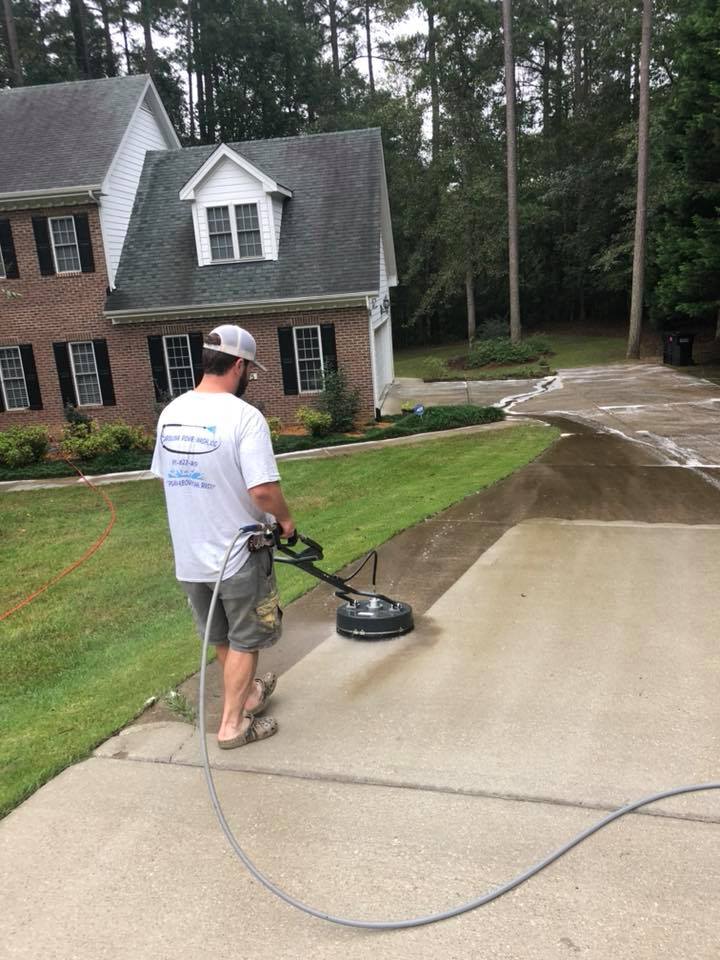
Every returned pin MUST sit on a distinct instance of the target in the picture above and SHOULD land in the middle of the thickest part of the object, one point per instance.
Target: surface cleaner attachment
(365, 615)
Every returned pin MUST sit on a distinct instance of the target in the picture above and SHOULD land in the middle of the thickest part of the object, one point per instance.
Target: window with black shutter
(84, 374)
(84, 244)
(305, 354)
(19, 388)
(8, 260)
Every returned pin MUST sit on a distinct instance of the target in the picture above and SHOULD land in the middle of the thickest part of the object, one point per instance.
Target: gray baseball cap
(236, 341)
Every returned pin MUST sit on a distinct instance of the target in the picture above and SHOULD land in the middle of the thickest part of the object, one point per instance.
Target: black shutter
(62, 362)
(82, 232)
(31, 377)
(287, 359)
(159, 371)
(327, 336)
(102, 361)
(196, 349)
(7, 247)
(42, 242)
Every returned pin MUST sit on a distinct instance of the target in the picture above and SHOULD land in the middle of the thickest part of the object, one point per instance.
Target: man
(214, 454)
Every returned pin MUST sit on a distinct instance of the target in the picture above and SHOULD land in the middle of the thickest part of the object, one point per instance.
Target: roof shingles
(63, 134)
(329, 239)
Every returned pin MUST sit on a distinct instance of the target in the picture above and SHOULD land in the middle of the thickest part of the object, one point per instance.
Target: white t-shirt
(211, 448)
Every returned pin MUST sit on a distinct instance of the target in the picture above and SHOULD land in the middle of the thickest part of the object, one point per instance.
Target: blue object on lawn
(419, 409)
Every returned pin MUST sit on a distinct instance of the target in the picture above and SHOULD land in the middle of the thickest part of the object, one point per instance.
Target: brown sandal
(267, 682)
(260, 729)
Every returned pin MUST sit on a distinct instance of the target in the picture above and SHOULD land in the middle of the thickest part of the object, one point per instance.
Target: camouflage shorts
(247, 614)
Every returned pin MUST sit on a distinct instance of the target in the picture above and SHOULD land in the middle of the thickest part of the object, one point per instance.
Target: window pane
(179, 364)
(309, 357)
(65, 243)
(248, 228)
(221, 245)
(218, 219)
(13, 379)
(85, 370)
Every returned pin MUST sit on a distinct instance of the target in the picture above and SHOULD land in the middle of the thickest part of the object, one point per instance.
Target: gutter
(53, 196)
(276, 305)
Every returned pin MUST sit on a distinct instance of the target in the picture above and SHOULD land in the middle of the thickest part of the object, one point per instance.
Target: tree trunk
(209, 99)
(559, 72)
(371, 78)
(77, 19)
(434, 88)
(546, 69)
(334, 42)
(189, 67)
(15, 64)
(638, 279)
(110, 64)
(470, 298)
(199, 52)
(717, 326)
(513, 254)
(578, 89)
(146, 17)
(124, 28)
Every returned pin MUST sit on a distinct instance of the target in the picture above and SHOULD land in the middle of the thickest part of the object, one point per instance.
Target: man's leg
(255, 693)
(238, 683)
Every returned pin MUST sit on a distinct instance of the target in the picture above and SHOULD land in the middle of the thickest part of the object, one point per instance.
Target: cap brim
(256, 364)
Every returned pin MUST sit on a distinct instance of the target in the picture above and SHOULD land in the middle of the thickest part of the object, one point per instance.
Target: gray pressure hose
(416, 921)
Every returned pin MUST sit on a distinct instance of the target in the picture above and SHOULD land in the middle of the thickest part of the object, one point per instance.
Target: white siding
(277, 204)
(116, 206)
(381, 326)
(226, 185)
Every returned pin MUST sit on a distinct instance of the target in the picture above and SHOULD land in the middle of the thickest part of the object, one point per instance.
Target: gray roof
(329, 238)
(63, 134)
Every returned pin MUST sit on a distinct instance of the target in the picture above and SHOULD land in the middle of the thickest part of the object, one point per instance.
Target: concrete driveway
(565, 661)
(672, 413)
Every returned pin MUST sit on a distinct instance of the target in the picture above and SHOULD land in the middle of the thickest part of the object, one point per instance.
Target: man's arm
(269, 497)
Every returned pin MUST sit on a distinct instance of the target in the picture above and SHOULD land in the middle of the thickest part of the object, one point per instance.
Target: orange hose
(73, 566)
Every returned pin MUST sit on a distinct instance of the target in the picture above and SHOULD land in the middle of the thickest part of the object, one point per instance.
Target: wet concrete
(585, 475)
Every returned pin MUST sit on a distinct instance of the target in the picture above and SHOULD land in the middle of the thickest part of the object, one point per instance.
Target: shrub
(503, 350)
(494, 328)
(435, 368)
(82, 442)
(317, 422)
(339, 401)
(22, 445)
(275, 425)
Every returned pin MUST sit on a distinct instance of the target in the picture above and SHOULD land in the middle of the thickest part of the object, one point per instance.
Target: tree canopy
(231, 70)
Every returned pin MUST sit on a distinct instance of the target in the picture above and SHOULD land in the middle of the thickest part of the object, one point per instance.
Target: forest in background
(431, 75)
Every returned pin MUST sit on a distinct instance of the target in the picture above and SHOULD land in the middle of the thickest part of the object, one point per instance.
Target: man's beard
(242, 385)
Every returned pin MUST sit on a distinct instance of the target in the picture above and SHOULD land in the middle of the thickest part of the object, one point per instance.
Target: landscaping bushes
(316, 422)
(503, 350)
(433, 418)
(21, 446)
(83, 441)
(339, 401)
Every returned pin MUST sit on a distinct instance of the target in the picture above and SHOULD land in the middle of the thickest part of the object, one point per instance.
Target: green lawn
(80, 661)
(569, 350)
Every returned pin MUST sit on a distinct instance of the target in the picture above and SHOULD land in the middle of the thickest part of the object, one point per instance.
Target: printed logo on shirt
(192, 439)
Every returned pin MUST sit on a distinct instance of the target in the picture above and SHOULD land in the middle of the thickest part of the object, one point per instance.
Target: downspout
(371, 336)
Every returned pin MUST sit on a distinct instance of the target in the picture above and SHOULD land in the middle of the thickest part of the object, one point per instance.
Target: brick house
(123, 248)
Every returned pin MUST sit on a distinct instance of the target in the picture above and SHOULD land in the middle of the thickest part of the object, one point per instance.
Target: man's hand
(269, 498)
(287, 529)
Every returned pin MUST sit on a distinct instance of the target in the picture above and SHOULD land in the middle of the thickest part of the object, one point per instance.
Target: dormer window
(237, 210)
(234, 238)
